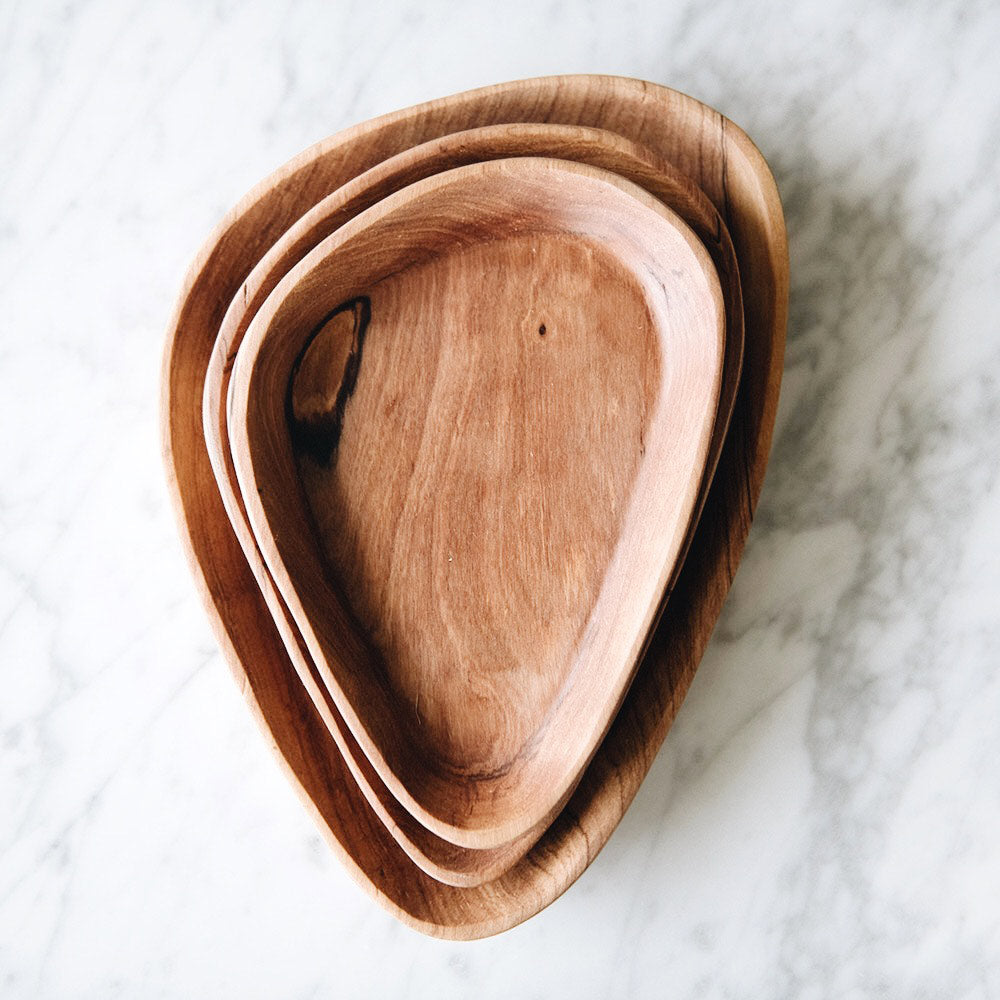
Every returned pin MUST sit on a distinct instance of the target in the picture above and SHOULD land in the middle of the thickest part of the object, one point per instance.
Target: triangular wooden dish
(720, 158)
(438, 857)
(495, 390)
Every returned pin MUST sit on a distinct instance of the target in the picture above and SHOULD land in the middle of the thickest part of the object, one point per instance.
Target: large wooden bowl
(722, 160)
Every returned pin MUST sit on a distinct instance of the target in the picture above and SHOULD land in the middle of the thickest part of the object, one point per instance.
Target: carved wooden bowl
(495, 391)
(435, 855)
(715, 155)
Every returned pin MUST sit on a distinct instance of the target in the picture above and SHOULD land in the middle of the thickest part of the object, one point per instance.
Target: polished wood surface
(501, 450)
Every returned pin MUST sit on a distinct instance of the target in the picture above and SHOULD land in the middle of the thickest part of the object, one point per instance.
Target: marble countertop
(824, 818)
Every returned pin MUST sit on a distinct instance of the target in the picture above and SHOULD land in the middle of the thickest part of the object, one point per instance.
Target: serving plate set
(466, 412)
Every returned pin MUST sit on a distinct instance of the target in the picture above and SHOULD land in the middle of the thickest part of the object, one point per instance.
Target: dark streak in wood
(319, 437)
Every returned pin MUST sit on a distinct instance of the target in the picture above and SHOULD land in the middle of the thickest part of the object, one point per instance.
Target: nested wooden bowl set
(466, 413)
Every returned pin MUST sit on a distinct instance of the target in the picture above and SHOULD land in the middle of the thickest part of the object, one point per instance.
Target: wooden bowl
(434, 855)
(496, 390)
(722, 160)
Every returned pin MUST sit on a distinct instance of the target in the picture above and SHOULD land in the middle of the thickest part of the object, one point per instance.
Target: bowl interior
(495, 392)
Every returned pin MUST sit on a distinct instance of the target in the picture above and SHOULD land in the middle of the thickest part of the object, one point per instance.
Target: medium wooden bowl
(722, 160)
(434, 855)
(496, 391)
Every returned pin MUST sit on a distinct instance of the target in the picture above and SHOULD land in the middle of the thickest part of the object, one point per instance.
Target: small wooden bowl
(720, 158)
(434, 855)
(497, 389)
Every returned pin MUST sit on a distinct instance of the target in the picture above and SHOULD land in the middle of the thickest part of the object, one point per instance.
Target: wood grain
(720, 158)
(436, 856)
(504, 498)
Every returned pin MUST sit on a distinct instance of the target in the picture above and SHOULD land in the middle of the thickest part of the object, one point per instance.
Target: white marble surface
(824, 819)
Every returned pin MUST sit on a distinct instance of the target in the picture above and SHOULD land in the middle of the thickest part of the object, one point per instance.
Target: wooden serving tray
(434, 855)
(720, 158)
(496, 389)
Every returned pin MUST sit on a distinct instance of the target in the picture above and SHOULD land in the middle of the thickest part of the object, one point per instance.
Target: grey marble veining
(824, 818)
